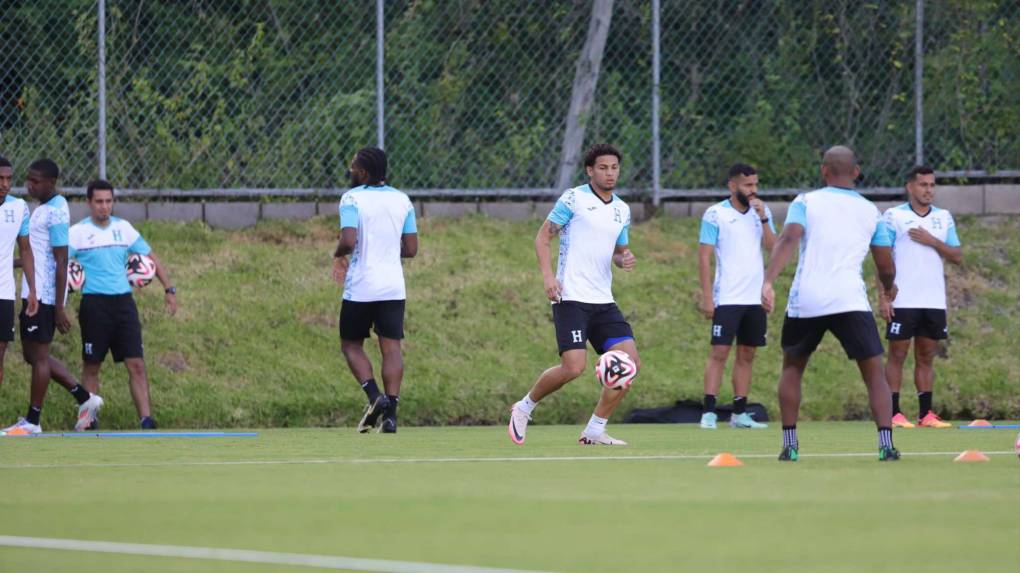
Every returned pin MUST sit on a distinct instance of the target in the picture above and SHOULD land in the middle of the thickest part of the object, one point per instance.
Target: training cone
(971, 456)
(980, 422)
(725, 460)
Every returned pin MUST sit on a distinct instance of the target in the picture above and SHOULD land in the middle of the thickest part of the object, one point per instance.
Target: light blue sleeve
(24, 224)
(563, 211)
(768, 215)
(952, 239)
(709, 233)
(890, 226)
(348, 211)
(881, 236)
(410, 223)
(58, 235)
(624, 238)
(140, 246)
(797, 214)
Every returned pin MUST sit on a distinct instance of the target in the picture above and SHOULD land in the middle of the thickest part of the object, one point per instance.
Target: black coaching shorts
(357, 318)
(578, 323)
(109, 323)
(907, 323)
(6, 320)
(856, 331)
(42, 326)
(745, 322)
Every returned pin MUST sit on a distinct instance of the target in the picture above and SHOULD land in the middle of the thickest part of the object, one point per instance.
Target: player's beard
(743, 200)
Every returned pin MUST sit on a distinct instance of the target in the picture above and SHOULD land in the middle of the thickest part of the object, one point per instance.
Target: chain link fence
(274, 94)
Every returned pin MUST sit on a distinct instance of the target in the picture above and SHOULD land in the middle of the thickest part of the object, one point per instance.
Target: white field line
(292, 559)
(372, 461)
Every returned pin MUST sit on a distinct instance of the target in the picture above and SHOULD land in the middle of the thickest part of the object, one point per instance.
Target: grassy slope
(821, 514)
(255, 342)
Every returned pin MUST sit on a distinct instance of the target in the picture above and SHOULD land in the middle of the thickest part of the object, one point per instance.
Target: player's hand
(33, 304)
(625, 260)
(707, 306)
(171, 304)
(553, 289)
(340, 266)
(63, 323)
(758, 205)
(768, 297)
(922, 236)
(885, 308)
(890, 294)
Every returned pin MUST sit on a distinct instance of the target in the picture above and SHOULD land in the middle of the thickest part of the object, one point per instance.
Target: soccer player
(923, 235)
(835, 227)
(47, 227)
(377, 229)
(107, 315)
(592, 224)
(13, 230)
(736, 230)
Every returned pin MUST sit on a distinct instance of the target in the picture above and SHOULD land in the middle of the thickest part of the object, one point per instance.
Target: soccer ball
(615, 369)
(75, 275)
(141, 269)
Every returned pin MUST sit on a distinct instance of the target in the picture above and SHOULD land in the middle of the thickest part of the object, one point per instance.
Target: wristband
(171, 290)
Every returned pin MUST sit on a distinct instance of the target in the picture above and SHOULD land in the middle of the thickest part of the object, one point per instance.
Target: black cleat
(389, 425)
(886, 454)
(372, 413)
(789, 454)
(148, 423)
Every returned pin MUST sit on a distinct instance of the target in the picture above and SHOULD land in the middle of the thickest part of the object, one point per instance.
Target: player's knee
(897, 355)
(573, 368)
(745, 354)
(719, 354)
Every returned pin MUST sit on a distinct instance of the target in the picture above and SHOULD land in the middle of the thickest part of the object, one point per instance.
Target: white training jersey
(591, 229)
(919, 270)
(840, 226)
(381, 214)
(739, 266)
(14, 218)
(47, 228)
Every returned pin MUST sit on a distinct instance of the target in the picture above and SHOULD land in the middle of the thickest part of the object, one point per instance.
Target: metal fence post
(656, 150)
(102, 89)
(919, 83)
(380, 121)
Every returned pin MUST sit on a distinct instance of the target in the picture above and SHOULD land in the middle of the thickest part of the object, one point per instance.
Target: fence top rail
(332, 194)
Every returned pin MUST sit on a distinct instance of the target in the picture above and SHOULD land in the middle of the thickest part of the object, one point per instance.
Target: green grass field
(468, 496)
(255, 343)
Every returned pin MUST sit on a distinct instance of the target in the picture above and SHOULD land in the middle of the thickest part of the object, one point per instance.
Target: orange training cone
(971, 456)
(979, 423)
(725, 460)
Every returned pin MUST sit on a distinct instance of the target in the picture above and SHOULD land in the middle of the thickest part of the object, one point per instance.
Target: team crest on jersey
(8, 216)
(936, 223)
(616, 215)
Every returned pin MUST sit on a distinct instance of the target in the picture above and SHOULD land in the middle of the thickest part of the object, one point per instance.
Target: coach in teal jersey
(377, 229)
(108, 316)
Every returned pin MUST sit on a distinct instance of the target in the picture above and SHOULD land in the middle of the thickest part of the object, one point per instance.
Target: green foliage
(255, 342)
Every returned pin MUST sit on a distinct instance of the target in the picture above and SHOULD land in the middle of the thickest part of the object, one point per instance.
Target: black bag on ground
(689, 412)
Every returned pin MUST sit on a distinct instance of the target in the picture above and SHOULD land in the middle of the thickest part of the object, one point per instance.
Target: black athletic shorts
(578, 322)
(356, 318)
(856, 331)
(42, 326)
(910, 322)
(6, 320)
(109, 323)
(747, 322)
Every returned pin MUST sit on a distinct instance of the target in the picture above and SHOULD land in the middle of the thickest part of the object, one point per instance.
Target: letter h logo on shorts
(88, 348)
(716, 330)
(894, 328)
(8, 216)
(578, 335)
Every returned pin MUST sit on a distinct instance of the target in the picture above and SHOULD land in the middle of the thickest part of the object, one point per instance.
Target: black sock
(371, 390)
(885, 437)
(709, 404)
(80, 394)
(739, 404)
(394, 402)
(32, 417)
(790, 436)
(896, 403)
(923, 403)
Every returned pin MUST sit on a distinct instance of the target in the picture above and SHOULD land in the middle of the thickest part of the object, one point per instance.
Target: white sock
(596, 426)
(527, 405)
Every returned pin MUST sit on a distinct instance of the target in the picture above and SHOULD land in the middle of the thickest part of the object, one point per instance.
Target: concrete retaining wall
(961, 200)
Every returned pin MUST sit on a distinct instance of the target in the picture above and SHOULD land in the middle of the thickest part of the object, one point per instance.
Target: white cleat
(602, 439)
(518, 426)
(708, 420)
(22, 428)
(746, 421)
(87, 412)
